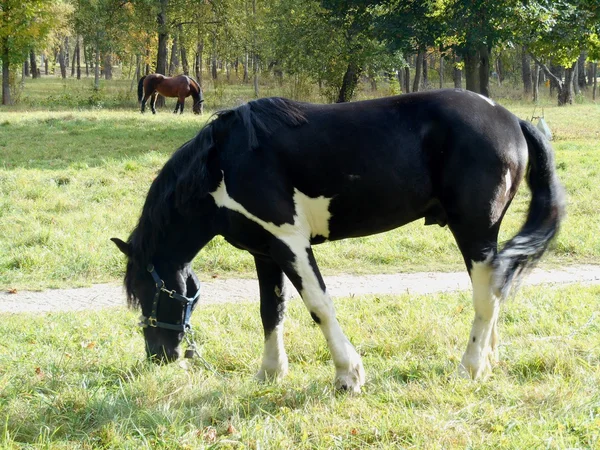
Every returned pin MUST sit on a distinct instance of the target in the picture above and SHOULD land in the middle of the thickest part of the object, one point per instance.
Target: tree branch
(550, 75)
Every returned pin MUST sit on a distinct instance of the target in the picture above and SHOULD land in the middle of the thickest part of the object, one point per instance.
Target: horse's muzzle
(162, 354)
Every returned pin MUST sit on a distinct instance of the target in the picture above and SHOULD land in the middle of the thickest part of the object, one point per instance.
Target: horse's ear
(123, 246)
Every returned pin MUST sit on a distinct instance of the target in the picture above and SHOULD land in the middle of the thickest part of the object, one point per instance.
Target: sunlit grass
(79, 380)
(70, 180)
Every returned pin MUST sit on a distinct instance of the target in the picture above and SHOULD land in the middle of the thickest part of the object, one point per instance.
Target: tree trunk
(213, 67)
(425, 83)
(26, 68)
(97, 63)
(34, 69)
(86, 60)
(581, 78)
(576, 88)
(407, 79)
(5, 74)
(73, 63)
(174, 63)
(457, 75)
(108, 66)
(67, 51)
(536, 83)
(565, 92)
(147, 64)
(418, 68)
(484, 70)
(526, 71)
(349, 82)
(246, 69)
(594, 80)
(185, 65)
(61, 62)
(471, 78)
(441, 71)
(163, 36)
(400, 76)
(46, 64)
(199, 61)
(78, 58)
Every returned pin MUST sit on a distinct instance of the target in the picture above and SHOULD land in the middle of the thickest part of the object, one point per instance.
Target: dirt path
(236, 290)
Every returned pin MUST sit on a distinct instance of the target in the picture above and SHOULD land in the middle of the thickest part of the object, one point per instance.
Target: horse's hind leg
(294, 255)
(176, 107)
(153, 102)
(181, 104)
(475, 228)
(272, 310)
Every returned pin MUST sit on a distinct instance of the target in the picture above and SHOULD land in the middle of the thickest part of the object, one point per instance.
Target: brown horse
(180, 86)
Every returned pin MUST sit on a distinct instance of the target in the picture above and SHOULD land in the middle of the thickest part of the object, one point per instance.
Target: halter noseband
(188, 303)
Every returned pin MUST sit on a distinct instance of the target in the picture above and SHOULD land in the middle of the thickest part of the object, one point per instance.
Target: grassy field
(79, 380)
(70, 180)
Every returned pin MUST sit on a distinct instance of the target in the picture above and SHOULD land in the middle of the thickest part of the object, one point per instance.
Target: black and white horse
(275, 177)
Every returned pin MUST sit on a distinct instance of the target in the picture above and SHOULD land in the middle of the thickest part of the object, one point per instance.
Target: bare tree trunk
(73, 63)
(441, 71)
(67, 51)
(61, 62)
(425, 83)
(147, 64)
(471, 78)
(418, 68)
(199, 61)
(184, 59)
(400, 76)
(174, 63)
(78, 58)
(5, 73)
(213, 65)
(349, 82)
(457, 75)
(484, 70)
(108, 66)
(163, 36)
(34, 69)
(97, 63)
(46, 64)
(246, 68)
(581, 78)
(536, 83)
(26, 68)
(595, 80)
(526, 71)
(407, 79)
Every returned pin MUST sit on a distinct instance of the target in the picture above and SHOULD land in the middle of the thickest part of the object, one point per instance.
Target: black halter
(188, 303)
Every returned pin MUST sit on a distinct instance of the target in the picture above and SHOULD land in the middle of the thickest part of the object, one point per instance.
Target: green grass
(78, 380)
(70, 180)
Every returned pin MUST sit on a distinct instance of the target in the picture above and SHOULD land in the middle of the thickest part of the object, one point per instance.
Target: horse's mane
(186, 178)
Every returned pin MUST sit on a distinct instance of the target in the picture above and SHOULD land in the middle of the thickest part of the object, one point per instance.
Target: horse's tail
(141, 88)
(546, 212)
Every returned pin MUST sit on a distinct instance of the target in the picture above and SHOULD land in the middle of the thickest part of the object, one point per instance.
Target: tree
(558, 32)
(23, 23)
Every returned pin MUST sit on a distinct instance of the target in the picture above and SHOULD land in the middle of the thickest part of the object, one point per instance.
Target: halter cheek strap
(188, 303)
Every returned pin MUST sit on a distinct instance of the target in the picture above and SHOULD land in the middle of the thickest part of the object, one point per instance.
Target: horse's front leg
(272, 310)
(176, 107)
(294, 254)
(181, 105)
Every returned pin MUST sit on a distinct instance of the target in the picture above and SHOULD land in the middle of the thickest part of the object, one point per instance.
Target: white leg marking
(311, 219)
(275, 361)
(483, 340)
(507, 182)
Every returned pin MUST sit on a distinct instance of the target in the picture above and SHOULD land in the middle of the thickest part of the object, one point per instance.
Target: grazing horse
(275, 177)
(180, 86)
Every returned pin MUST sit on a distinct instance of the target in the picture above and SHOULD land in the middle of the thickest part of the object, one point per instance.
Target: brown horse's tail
(141, 88)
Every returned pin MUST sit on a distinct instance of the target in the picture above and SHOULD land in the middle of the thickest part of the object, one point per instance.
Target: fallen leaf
(231, 429)
(214, 275)
(354, 432)
(12, 291)
(39, 372)
(90, 345)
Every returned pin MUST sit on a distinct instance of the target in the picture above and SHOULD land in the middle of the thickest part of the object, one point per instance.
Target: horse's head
(166, 301)
(198, 106)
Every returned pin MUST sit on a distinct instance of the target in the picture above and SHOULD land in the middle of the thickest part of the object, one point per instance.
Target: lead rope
(192, 351)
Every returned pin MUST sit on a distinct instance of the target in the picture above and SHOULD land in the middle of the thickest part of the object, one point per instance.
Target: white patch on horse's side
(311, 219)
(507, 182)
(483, 340)
(275, 361)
